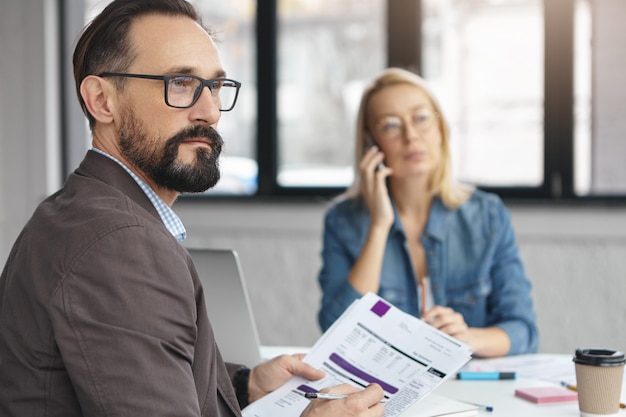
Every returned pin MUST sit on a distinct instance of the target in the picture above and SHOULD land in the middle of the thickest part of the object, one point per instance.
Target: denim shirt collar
(436, 225)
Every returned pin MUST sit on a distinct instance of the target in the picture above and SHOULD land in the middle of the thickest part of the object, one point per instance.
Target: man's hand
(270, 375)
(358, 403)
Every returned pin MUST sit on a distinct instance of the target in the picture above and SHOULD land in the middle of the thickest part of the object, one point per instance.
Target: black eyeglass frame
(167, 78)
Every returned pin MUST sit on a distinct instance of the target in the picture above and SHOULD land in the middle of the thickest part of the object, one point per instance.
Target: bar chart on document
(372, 342)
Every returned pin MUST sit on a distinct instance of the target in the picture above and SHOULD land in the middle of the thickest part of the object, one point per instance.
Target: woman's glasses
(392, 127)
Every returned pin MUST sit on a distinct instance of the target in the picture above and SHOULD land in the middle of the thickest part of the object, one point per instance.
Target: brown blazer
(102, 311)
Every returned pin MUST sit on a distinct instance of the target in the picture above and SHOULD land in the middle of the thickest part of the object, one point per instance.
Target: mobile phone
(369, 141)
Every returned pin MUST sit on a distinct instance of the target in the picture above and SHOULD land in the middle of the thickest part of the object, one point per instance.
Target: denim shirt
(472, 258)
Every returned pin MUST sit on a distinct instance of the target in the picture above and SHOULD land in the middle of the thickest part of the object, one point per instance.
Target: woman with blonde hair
(405, 230)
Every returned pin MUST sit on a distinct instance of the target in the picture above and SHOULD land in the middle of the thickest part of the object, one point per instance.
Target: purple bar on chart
(345, 365)
(306, 388)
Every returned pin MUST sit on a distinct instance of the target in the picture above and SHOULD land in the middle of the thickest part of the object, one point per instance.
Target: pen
(325, 396)
(487, 408)
(573, 388)
(568, 386)
(485, 376)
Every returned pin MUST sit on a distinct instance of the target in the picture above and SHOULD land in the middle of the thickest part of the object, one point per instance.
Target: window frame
(402, 17)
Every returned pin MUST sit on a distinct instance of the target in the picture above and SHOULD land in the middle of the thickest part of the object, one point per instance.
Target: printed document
(373, 341)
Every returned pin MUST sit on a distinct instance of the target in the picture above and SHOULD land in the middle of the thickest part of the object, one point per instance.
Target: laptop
(228, 305)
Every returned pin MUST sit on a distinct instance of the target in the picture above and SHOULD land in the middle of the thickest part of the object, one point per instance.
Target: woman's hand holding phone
(374, 187)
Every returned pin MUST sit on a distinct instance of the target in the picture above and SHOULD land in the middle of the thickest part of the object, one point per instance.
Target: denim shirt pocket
(469, 293)
(470, 299)
(396, 295)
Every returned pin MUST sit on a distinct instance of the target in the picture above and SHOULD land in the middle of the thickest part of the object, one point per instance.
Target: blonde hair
(452, 193)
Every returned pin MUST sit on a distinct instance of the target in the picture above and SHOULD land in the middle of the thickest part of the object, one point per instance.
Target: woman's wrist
(379, 229)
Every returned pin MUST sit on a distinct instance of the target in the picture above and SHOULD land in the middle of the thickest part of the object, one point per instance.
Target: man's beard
(158, 161)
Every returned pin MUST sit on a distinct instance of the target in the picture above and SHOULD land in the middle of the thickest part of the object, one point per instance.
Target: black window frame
(403, 49)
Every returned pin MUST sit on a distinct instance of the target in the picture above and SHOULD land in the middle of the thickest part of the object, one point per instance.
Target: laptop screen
(228, 305)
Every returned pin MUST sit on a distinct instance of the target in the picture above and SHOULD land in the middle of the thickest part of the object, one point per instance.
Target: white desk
(501, 396)
(533, 370)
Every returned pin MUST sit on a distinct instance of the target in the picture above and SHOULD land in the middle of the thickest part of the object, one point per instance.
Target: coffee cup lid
(599, 357)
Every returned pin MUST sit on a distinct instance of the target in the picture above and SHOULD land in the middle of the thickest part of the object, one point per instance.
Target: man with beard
(101, 309)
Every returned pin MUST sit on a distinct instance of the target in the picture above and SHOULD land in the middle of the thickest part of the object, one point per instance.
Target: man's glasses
(392, 127)
(183, 91)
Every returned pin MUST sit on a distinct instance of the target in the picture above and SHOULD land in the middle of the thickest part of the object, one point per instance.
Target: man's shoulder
(90, 197)
(86, 209)
(101, 188)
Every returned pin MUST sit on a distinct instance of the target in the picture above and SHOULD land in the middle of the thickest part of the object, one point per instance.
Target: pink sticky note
(542, 395)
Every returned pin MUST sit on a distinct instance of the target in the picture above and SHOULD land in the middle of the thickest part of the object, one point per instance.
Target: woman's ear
(99, 96)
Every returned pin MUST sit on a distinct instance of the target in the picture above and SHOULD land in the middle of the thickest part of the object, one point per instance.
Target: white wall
(575, 256)
(28, 127)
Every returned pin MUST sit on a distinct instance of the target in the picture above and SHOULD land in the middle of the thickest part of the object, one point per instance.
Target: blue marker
(487, 408)
(485, 376)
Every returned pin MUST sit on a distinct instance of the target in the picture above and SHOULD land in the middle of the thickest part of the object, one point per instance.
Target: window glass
(582, 98)
(233, 22)
(600, 98)
(327, 51)
(484, 61)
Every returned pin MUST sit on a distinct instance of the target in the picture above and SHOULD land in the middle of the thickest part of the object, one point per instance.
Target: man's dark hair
(104, 45)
